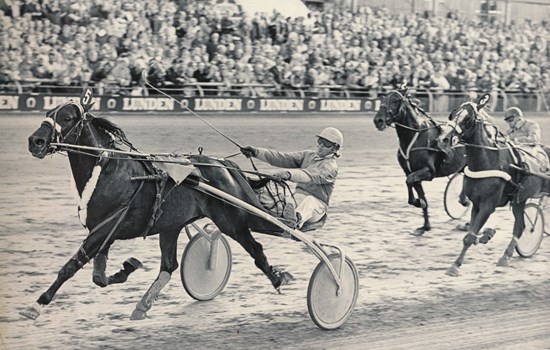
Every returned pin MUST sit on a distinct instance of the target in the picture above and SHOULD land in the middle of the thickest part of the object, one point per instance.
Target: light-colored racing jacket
(320, 173)
(525, 131)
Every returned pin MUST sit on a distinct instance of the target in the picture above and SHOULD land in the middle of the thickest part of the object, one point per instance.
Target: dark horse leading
(113, 207)
(419, 156)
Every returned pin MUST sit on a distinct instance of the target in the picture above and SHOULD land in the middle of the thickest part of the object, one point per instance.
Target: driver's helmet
(333, 135)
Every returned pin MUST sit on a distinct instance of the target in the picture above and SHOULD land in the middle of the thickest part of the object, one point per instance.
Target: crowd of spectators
(110, 43)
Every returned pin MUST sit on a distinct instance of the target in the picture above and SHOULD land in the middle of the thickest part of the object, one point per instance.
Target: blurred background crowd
(109, 43)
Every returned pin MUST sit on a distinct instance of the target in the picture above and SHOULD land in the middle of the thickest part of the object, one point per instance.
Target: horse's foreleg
(67, 271)
(100, 265)
(462, 198)
(129, 266)
(519, 226)
(479, 217)
(169, 263)
(424, 205)
(414, 180)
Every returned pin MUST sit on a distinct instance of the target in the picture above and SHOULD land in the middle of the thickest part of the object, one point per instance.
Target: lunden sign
(33, 102)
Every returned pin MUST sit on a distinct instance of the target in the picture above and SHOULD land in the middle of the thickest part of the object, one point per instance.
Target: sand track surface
(405, 300)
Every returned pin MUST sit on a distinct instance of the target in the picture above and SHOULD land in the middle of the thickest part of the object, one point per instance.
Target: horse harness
(517, 162)
(159, 176)
(406, 153)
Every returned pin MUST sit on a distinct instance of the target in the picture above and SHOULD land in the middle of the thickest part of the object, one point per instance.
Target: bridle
(408, 146)
(57, 132)
(454, 124)
(390, 116)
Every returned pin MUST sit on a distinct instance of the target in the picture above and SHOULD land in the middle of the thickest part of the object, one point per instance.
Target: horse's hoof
(453, 271)
(503, 262)
(30, 312)
(488, 233)
(138, 315)
(101, 281)
(421, 230)
(131, 265)
(280, 278)
(418, 232)
(286, 278)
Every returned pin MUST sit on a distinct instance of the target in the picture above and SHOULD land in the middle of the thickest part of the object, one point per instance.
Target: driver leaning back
(314, 173)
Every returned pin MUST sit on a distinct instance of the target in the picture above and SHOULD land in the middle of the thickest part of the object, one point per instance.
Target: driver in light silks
(314, 173)
(521, 130)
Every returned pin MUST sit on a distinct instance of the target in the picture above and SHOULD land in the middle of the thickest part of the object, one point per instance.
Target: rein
(479, 174)
(147, 158)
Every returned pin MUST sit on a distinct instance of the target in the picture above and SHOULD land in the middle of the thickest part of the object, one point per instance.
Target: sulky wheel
(532, 235)
(328, 307)
(451, 197)
(206, 266)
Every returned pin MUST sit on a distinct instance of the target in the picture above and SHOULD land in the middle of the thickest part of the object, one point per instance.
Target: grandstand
(445, 50)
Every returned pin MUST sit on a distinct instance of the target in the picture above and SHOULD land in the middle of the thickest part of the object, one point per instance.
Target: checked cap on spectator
(333, 135)
(513, 112)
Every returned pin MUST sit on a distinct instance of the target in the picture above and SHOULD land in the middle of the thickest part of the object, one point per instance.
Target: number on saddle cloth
(276, 197)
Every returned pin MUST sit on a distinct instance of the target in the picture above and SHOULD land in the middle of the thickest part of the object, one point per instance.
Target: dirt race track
(405, 300)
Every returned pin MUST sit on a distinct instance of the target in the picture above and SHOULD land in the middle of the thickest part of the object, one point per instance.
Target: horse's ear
(483, 100)
(86, 99)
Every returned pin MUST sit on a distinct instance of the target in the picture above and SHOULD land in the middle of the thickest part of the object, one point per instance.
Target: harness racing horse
(493, 177)
(418, 154)
(115, 207)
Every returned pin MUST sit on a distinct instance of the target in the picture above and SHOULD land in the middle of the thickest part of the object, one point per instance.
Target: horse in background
(115, 207)
(493, 176)
(418, 154)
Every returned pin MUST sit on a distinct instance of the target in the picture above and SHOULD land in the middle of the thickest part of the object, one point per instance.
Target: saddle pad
(534, 158)
(178, 168)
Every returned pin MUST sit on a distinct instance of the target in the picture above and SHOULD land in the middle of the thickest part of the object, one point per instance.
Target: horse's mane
(110, 127)
(232, 166)
(414, 105)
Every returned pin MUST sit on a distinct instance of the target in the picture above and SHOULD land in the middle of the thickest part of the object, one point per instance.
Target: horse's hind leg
(243, 236)
(100, 265)
(168, 247)
(519, 226)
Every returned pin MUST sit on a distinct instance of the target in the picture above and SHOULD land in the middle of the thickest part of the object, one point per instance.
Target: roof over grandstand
(287, 8)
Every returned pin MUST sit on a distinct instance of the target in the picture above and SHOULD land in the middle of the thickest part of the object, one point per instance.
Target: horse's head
(391, 109)
(64, 123)
(462, 121)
